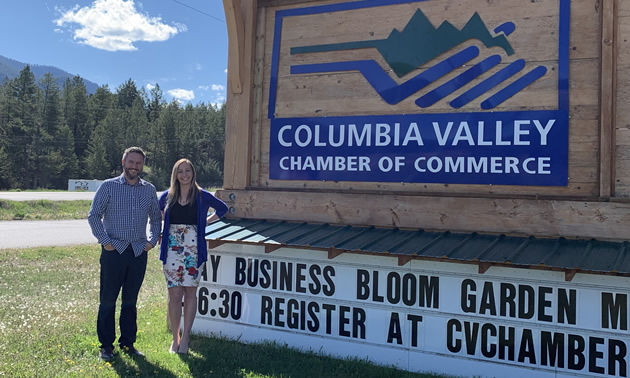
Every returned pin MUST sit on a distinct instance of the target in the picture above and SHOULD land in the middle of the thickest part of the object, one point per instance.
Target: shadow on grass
(221, 357)
(137, 366)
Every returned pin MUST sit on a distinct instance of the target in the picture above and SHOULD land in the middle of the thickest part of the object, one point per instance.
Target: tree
(49, 136)
(99, 105)
(76, 113)
(96, 164)
(6, 177)
(127, 94)
(156, 103)
(48, 160)
(24, 128)
(63, 158)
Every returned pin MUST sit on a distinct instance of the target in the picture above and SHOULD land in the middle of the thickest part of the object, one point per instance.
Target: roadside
(25, 234)
(52, 196)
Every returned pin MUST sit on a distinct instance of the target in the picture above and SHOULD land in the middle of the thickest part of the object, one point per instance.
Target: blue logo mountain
(420, 42)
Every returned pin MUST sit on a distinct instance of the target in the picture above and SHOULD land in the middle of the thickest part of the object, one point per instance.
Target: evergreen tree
(45, 165)
(6, 177)
(156, 103)
(24, 128)
(99, 105)
(136, 126)
(96, 163)
(44, 134)
(165, 153)
(64, 159)
(76, 113)
(127, 94)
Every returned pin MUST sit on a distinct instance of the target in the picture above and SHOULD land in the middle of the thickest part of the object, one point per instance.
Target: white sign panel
(425, 316)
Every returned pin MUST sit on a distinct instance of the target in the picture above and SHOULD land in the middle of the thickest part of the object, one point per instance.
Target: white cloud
(218, 87)
(203, 87)
(217, 101)
(150, 86)
(115, 25)
(225, 70)
(182, 94)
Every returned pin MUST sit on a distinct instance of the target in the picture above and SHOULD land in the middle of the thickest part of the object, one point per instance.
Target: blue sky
(179, 44)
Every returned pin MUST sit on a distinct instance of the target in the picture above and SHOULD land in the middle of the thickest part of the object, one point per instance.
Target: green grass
(48, 304)
(44, 210)
(36, 190)
(48, 210)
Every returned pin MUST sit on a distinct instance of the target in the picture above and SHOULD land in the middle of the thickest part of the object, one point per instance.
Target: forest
(49, 135)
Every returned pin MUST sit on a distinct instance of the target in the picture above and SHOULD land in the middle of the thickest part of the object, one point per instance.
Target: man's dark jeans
(119, 271)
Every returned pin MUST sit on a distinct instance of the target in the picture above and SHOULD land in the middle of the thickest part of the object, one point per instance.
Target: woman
(183, 246)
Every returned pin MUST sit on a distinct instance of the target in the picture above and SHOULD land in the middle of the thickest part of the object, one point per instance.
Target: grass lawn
(44, 210)
(49, 210)
(48, 304)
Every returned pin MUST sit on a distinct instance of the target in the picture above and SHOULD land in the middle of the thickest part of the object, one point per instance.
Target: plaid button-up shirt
(120, 211)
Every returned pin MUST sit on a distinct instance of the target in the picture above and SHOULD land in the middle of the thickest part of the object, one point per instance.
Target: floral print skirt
(181, 259)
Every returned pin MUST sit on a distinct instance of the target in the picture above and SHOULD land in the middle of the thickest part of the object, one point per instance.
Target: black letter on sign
(468, 301)
(453, 345)
(204, 272)
(214, 261)
(543, 303)
(617, 353)
(363, 288)
(415, 319)
(527, 349)
(394, 329)
(358, 323)
(576, 352)
(526, 295)
(567, 306)
(343, 320)
(552, 349)
(615, 309)
(594, 354)
(329, 273)
(266, 304)
(241, 265)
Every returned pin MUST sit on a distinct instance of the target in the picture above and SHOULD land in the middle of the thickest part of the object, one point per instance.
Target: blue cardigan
(205, 201)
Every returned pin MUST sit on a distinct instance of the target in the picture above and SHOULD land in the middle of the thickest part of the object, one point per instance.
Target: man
(118, 218)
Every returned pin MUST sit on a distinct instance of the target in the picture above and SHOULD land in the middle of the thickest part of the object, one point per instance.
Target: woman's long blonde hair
(174, 190)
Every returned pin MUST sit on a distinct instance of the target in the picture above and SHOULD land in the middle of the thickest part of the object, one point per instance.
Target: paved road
(53, 196)
(25, 234)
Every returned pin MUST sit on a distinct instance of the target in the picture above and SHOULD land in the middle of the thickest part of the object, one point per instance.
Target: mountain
(11, 68)
(419, 42)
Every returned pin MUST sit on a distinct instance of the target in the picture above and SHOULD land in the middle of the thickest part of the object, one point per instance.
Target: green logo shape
(419, 42)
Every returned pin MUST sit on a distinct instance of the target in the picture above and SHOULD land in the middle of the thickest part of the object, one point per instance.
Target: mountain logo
(420, 43)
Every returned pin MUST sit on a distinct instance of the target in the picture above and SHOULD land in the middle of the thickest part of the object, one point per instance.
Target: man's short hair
(137, 150)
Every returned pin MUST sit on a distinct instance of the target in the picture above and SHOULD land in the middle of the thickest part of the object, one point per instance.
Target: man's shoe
(131, 350)
(107, 353)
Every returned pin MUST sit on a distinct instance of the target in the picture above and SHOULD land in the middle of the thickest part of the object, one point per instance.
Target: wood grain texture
(348, 93)
(236, 46)
(607, 101)
(257, 106)
(239, 113)
(622, 97)
(544, 218)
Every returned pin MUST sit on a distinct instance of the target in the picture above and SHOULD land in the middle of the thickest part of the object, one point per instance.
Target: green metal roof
(570, 256)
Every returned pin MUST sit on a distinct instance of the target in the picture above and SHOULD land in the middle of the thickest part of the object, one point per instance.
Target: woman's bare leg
(190, 310)
(175, 295)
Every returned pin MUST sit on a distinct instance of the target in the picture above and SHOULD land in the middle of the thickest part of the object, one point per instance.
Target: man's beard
(131, 175)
